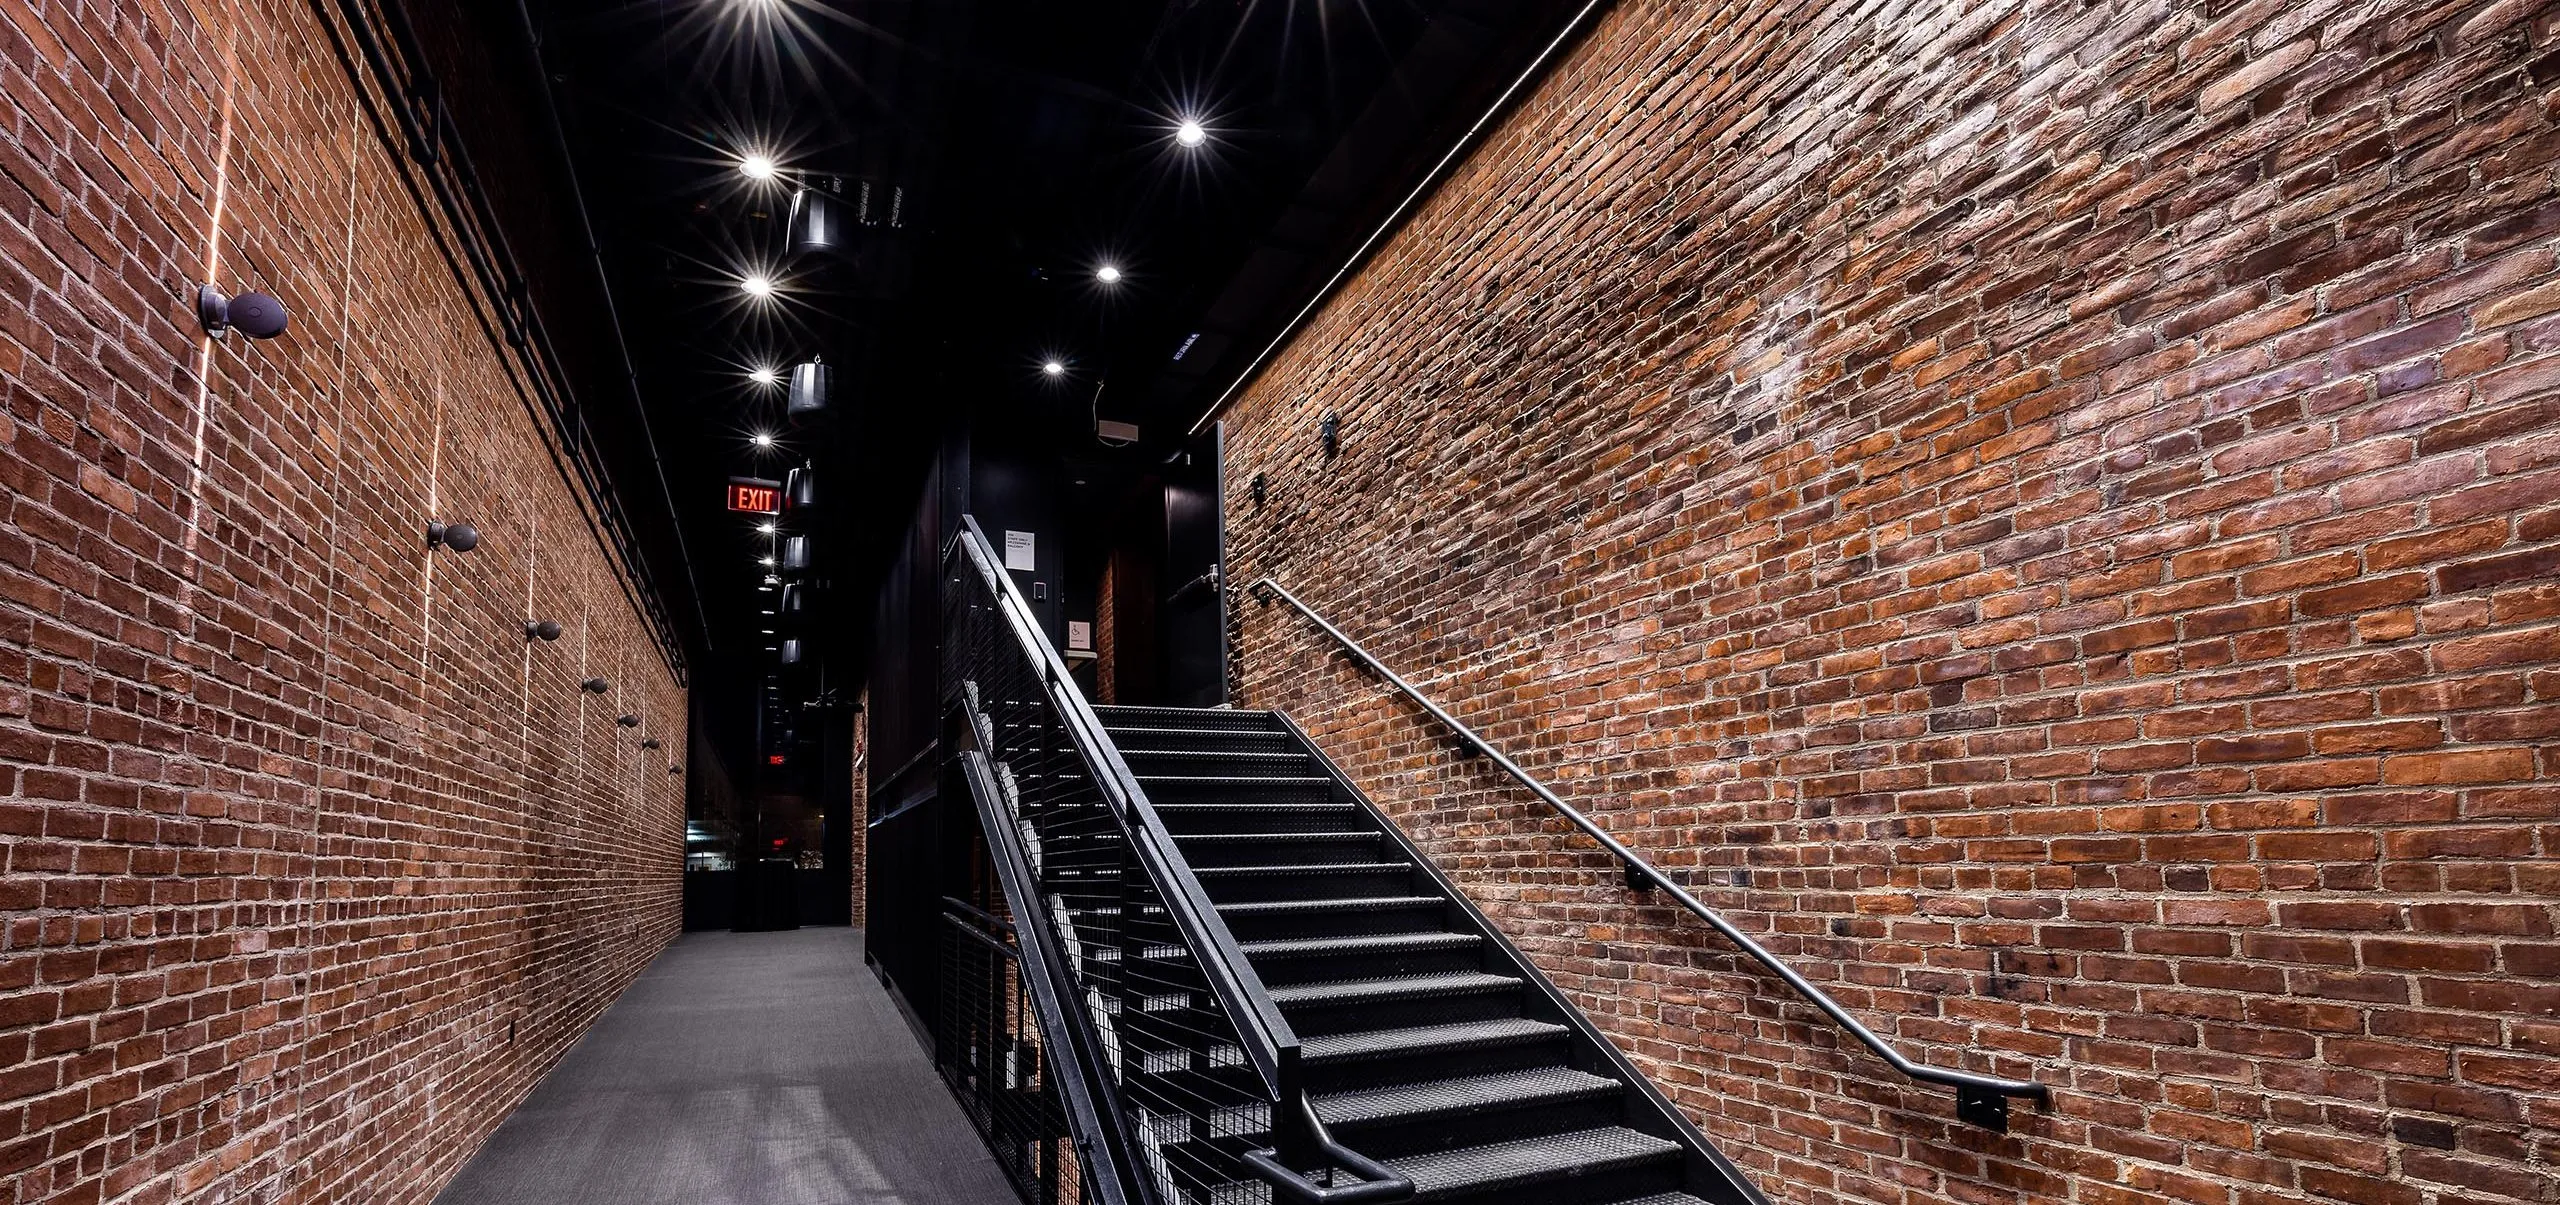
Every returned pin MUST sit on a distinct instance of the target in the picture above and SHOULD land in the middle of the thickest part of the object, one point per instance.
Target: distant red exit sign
(755, 496)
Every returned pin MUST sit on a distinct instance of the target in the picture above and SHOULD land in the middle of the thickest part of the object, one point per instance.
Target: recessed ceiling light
(1108, 274)
(1190, 133)
(1054, 368)
(758, 286)
(758, 167)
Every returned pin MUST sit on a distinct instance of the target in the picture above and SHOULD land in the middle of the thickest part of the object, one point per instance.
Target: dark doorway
(1194, 618)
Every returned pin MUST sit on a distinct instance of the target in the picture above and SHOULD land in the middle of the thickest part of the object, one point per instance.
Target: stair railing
(1073, 1062)
(1164, 980)
(1982, 1100)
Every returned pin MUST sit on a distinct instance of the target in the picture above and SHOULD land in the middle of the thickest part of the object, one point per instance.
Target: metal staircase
(1241, 983)
(1428, 1043)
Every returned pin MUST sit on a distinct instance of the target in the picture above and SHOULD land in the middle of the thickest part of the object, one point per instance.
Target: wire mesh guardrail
(987, 1044)
(1191, 1092)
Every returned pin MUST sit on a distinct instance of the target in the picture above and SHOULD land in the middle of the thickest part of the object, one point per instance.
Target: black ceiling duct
(801, 491)
(811, 386)
(795, 554)
(817, 217)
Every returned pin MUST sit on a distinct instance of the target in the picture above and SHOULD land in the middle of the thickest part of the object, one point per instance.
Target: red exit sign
(755, 495)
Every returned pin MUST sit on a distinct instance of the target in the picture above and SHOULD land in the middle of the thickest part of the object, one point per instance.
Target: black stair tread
(1302, 868)
(1665, 1198)
(1400, 987)
(1318, 947)
(1125, 733)
(1234, 807)
(1234, 780)
(1246, 756)
(1114, 717)
(1221, 849)
(1366, 943)
(1229, 812)
(1267, 838)
(1417, 1039)
(1523, 1161)
(1464, 1094)
(1354, 903)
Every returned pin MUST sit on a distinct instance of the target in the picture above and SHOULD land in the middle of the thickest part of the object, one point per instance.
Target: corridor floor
(741, 1069)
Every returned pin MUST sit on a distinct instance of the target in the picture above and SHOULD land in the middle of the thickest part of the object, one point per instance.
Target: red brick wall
(313, 864)
(2047, 512)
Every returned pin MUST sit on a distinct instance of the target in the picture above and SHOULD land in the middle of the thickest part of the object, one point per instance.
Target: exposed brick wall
(2047, 512)
(313, 863)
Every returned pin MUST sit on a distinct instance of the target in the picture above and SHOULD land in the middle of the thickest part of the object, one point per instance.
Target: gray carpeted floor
(741, 1069)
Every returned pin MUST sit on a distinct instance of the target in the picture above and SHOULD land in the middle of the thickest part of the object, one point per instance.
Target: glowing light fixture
(765, 561)
(757, 166)
(762, 440)
(1055, 368)
(765, 376)
(1190, 133)
(764, 529)
(758, 286)
(1108, 274)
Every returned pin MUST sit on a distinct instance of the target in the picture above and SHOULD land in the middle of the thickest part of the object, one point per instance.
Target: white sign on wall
(1020, 551)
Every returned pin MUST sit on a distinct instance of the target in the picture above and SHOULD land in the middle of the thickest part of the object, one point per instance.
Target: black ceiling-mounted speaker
(801, 490)
(795, 554)
(793, 599)
(791, 652)
(817, 216)
(812, 384)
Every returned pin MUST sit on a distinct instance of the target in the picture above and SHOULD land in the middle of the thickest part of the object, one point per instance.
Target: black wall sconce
(795, 554)
(627, 721)
(460, 537)
(544, 630)
(675, 769)
(1330, 430)
(1261, 490)
(800, 491)
(791, 651)
(650, 743)
(256, 315)
(595, 686)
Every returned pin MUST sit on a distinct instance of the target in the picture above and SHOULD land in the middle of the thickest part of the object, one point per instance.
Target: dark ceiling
(1010, 148)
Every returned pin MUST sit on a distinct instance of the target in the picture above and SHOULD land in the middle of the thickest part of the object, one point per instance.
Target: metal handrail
(1265, 1037)
(1980, 1098)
